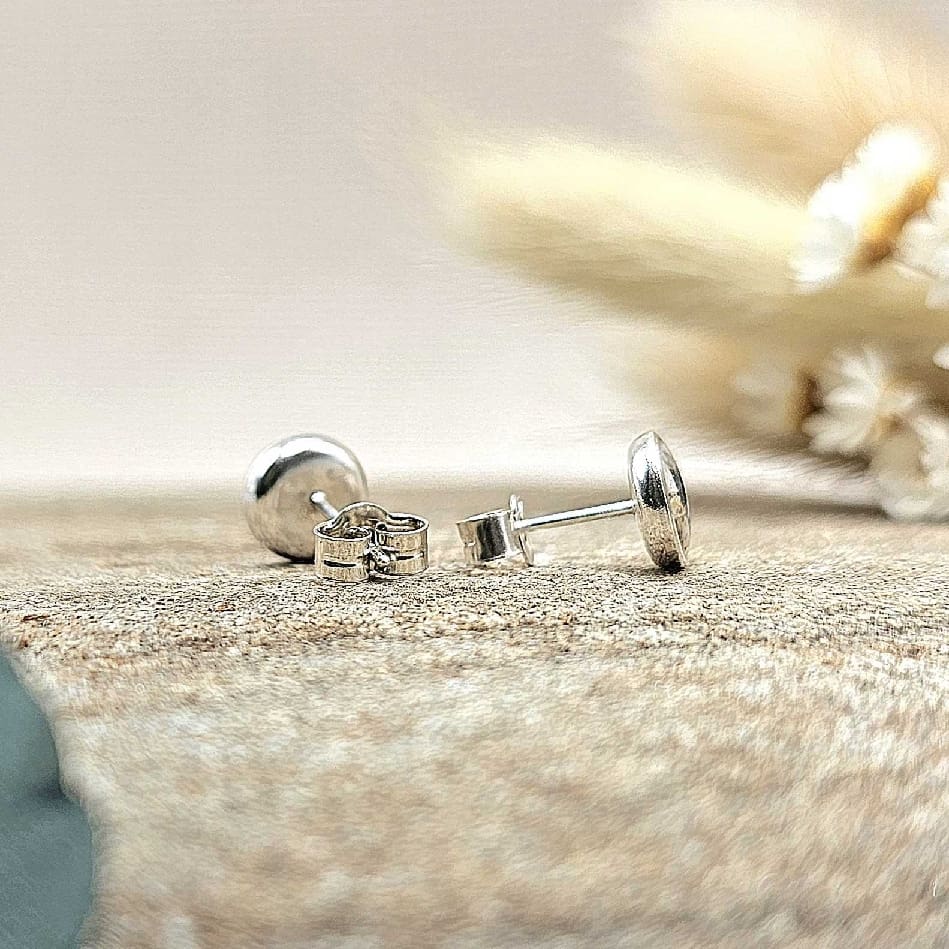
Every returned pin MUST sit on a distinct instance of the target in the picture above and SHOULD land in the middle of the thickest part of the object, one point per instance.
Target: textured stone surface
(754, 752)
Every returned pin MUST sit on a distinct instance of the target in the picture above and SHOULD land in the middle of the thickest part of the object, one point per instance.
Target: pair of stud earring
(304, 499)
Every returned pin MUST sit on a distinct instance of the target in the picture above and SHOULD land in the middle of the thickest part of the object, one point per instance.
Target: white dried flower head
(941, 357)
(856, 215)
(924, 245)
(774, 397)
(861, 400)
(911, 467)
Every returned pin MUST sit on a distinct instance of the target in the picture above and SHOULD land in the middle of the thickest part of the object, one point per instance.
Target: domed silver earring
(304, 499)
(658, 500)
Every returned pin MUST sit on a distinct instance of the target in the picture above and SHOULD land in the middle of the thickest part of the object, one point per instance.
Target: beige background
(217, 230)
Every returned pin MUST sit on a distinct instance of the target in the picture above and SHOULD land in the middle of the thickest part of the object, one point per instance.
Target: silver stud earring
(658, 500)
(304, 499)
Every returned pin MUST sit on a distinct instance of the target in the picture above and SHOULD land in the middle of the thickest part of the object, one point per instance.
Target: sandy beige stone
(754, 752)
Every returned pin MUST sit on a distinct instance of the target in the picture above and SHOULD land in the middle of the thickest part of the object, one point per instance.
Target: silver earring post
(658, 500)
(322, 503)
(304, 499)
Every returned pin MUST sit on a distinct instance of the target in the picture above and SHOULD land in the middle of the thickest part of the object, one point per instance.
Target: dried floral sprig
(911, 468)
(886, 200)
(857, 406)
(781, 92)
(857, 215)
(924, 245)
(862, 401)
(647, 236)
(850, 369)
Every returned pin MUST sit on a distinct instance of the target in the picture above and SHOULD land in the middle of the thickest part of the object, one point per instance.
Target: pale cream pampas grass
(834, 152)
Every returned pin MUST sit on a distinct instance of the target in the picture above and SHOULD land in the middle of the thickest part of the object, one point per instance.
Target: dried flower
(924, 245)
(856, 215)
(862, 401)
(774, 397)
(911, 467)
(708, 251)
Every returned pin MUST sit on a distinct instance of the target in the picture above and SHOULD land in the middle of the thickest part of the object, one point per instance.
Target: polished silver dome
(280, 484)
(662, 504)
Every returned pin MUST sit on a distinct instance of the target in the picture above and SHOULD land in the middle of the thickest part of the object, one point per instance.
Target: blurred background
(218, 229)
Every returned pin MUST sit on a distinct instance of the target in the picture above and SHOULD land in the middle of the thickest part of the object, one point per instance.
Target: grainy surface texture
(753, 752)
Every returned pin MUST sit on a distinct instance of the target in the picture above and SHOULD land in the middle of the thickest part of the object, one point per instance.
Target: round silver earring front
(658, 500)
(662, 503)
(280, 486)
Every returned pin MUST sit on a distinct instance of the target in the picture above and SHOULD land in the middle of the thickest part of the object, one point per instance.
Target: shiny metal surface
(364, 540)
(662, 503)
(280, 485)
(596, 512)
(658, 500)
(493, 536)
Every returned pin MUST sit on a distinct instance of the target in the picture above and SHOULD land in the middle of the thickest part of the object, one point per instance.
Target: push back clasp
(364, 540)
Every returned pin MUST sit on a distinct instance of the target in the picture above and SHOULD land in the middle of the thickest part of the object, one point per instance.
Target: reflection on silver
(295, 484)
(304, 498)
(658, 500)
